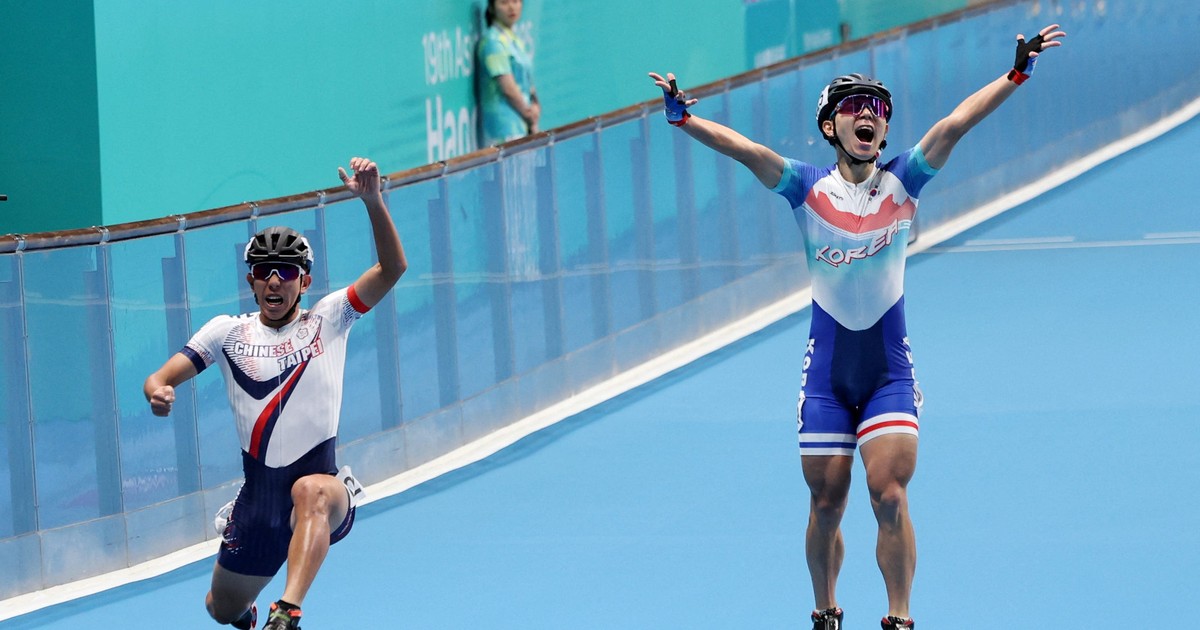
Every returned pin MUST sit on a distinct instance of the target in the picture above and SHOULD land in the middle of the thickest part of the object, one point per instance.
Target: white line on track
(1180, 235)
(1018, 245)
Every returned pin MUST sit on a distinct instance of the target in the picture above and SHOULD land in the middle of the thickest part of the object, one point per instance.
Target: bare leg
(890, 461)
(828, 478)
(320, 505)
(232, 594)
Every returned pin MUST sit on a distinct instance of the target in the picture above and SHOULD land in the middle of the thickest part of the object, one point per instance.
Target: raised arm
(766, 164)
(376, 281)
(940, 140)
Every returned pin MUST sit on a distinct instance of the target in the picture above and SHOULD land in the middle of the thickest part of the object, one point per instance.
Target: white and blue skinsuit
(858, 381)
(285, 388)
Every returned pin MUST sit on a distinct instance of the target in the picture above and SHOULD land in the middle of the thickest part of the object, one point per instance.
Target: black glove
(1023, 66)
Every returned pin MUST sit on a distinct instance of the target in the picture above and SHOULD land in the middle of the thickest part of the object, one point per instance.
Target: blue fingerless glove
(676, 111)
(1023, 66)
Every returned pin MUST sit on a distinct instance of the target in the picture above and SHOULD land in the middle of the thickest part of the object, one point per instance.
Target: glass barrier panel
(790, 101)
(413, 297)
(349, 251)
(478, 240)
(759, 212)
(581, 207)
(715, 231)
(790, 130)
(70, 379)
(528, 188)
(150, 464)
(789, 123)
(903, 68)
(216, 285)
(664, 200)
(16, 473)
(618, 146)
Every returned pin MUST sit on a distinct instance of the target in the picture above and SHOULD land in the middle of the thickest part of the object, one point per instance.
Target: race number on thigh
(353, 487)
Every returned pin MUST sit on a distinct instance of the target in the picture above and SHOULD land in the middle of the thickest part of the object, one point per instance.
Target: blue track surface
(1059, 451)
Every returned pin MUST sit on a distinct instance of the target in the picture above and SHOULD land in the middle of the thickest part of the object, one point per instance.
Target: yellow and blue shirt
(501, 52)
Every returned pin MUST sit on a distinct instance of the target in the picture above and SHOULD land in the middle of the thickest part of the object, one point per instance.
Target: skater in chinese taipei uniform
(283, 368)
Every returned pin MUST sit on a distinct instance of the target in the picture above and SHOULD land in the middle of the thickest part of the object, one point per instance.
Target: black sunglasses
(286, 271)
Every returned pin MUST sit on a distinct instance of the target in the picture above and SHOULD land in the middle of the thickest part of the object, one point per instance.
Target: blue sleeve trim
(789, 173)
(195, 358)
(919, 159)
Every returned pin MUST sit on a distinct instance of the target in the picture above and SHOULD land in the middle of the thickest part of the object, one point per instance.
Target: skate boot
(828, 619)
(283, 619)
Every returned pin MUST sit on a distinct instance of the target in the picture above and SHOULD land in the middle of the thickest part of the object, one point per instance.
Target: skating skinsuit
(857, 381)
(285, 388)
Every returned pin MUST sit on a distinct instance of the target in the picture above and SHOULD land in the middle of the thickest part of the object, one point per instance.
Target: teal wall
(865, 17)
(206, 104)
(49, 138)
(176, 107)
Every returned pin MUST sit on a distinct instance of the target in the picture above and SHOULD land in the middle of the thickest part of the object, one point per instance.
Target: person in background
(283, 368)
(858, 387)
(508, 101)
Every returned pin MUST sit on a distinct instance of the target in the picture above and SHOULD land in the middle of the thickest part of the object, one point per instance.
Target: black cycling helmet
(849, 85)
(280, 244)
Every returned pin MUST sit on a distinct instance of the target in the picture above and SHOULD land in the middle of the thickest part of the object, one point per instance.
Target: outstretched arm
(940, 140)
(766, 164)
(375, 282)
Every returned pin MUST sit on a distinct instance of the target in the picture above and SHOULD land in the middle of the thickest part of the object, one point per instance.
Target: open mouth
(865, 133)
(273, 300)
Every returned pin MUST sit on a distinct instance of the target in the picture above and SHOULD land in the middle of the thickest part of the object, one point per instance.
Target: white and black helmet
(280, 244)
(849, 85)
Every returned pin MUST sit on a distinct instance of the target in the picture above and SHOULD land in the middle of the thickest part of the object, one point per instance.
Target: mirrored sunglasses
(286, 271)
(852, 105)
